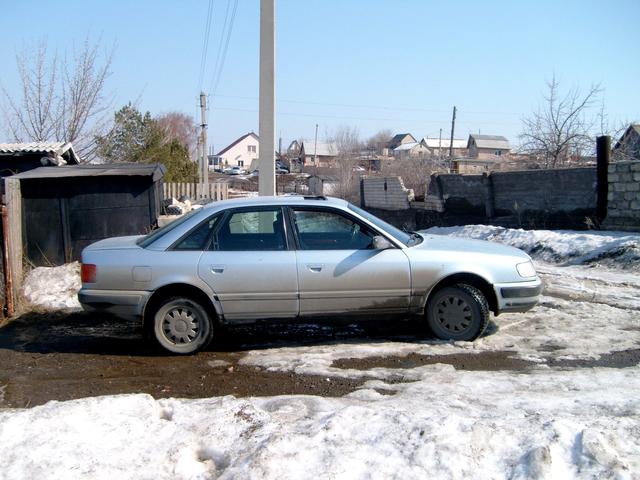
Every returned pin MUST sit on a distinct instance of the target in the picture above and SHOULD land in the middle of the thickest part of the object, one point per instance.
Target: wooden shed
(66, 208)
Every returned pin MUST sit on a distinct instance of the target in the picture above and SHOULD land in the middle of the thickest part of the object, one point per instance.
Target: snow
(562, 246)
(429, 421)
(450, 424)
(53, 287)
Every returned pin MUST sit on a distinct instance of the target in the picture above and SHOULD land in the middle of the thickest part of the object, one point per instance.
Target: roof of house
(444, 143)
(154, 170)
(490, 141)
(634, 127)
(406, 146)
(64, 149)
(230, 146)
(397, 139)
(321, 149)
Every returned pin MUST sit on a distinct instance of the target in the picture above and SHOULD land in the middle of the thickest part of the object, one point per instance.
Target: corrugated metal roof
(320, 149)
(106, 170)
(436, 142)
(490, 141)
(64, 149)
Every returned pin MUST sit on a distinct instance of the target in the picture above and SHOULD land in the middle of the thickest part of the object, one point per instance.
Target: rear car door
(339, 271)
(250, 266)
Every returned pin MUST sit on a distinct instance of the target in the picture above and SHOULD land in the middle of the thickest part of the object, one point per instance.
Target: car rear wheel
(182, 325)
(458, 312)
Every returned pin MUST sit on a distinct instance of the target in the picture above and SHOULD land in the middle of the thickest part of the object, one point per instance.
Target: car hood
(444, 243)
(116, 243)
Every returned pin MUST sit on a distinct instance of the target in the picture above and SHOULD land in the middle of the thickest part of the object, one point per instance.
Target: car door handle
(217, 269)
(315, 267)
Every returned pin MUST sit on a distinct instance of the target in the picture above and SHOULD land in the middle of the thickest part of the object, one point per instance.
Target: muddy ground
(63, 356)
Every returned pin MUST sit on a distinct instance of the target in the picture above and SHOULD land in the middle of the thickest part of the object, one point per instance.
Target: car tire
(182, 325)
(459, 312)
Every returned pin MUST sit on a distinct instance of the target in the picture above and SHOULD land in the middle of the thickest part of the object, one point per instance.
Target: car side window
(251, 230)
(328, 230)
(197, 238)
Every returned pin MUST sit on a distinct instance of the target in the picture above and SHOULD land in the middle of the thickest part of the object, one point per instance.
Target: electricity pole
(267, 119)
(204, 160)
(453, 127)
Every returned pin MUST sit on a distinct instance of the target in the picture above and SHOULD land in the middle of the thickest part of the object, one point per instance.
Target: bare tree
(59, 99)
(347, 141)
(181, 127)
(379, 140)
(561, 127)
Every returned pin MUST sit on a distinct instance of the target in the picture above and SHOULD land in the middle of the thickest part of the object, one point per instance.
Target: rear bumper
(518, 297)
(123, 304)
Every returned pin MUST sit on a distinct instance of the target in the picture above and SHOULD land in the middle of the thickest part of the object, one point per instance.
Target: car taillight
(88, 273)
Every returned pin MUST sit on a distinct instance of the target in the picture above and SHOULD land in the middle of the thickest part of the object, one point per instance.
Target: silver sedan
(292, 257)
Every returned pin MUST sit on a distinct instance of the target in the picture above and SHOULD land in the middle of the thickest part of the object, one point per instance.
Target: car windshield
(409, 239)
(147, 240)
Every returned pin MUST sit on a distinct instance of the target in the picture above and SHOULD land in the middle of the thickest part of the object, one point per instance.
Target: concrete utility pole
(204, 160)
(267, 127)
(453, 127)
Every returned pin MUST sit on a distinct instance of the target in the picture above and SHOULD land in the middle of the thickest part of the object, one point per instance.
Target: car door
(338, 269)
(250, 266)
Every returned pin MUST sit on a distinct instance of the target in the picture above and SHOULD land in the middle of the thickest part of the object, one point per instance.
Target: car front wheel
(458, 312)
(182, 325)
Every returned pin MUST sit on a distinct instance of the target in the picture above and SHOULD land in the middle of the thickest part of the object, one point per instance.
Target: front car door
(338, 270)
(250, 265)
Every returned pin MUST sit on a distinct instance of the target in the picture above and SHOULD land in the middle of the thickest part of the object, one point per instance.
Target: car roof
(277, 200)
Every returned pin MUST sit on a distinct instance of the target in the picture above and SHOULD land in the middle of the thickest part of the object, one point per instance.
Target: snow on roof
(406, 146)
(490, 141)
(64, 149)
(444, 143)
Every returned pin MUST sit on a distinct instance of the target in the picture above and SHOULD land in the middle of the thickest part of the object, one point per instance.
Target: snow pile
(448, 425)
(53, 287)
(621, 249)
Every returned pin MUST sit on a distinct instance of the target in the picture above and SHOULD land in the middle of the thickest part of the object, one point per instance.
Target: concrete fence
(385, 193)
(197, 191)
(623, 198)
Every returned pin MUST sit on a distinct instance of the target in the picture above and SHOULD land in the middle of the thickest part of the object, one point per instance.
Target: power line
(205, 44)
(215, 79)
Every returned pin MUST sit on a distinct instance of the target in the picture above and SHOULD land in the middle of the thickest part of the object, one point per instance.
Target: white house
(240, 153)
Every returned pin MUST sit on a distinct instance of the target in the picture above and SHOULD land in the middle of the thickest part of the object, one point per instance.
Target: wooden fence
(197, 191)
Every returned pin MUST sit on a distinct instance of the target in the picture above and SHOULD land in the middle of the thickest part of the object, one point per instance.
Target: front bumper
(518, 296)
(123, 304)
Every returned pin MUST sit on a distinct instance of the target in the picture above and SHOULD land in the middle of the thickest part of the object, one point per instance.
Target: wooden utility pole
(267, 127)
(315, 149)
(204, 159)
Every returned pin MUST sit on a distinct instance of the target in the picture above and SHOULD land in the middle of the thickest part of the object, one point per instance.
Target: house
(240, 153)
(320, 154)
(628, 147)
(439, 147)
(294, 148)
(488, 147)
(399, 139)
(410, 150)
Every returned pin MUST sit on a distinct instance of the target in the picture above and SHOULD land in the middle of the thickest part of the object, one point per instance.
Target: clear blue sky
(370, 64)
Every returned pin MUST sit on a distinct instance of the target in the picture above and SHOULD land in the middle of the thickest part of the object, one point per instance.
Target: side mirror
(381, 243)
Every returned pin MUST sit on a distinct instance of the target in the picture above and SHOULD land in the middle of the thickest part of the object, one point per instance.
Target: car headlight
(526, 269)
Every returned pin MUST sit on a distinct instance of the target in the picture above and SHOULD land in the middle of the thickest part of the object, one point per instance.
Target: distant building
(320, 154)
(488, 147)
(410, 150)
(399, 139)
(240, 153)
(628, 147)
(439, 147)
